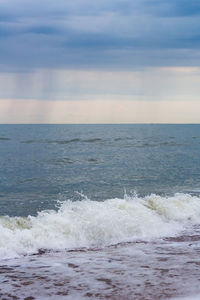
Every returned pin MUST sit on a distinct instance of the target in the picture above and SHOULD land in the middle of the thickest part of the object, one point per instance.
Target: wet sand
(159, 269)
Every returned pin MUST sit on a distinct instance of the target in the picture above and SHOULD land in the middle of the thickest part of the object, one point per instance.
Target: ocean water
(99, 211)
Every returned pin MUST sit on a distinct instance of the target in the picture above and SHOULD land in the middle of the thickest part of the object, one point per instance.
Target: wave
(59, 161)
(134, 143)
(92, 140)
(144, 145)
(89, 223)
(92, 160)
(4, 139)
(75, 140)
(51, 141)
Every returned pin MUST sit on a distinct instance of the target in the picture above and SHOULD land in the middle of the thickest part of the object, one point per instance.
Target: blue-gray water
(99, 212)
(40, 164)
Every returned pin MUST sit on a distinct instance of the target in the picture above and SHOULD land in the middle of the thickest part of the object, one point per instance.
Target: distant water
(99, 211)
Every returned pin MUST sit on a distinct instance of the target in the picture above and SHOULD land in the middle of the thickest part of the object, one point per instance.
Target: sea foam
(89, 223)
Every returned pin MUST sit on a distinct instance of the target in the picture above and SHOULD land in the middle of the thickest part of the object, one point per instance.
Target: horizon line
(136, 123)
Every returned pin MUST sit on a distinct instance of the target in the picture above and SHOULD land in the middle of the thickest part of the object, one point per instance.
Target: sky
(99, 61)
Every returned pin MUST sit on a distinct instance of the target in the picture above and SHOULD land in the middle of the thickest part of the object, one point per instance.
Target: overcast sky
(99, 61)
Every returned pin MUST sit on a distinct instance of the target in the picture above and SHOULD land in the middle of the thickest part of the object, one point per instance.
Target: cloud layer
(106, 34)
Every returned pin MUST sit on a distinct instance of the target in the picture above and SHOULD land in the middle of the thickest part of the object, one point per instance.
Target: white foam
(90, 223)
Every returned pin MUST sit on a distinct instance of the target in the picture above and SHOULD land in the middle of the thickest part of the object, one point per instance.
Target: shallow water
(99, 211)
(161, 269)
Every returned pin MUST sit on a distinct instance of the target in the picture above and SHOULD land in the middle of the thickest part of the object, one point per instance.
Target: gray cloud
(176, 8)
(98, 34)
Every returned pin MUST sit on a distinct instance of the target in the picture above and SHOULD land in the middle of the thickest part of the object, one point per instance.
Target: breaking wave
(89, 223)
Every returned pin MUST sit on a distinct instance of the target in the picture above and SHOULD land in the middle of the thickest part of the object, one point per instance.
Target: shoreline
(162, 269)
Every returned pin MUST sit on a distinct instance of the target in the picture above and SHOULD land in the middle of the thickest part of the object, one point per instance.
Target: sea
(100, 212)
